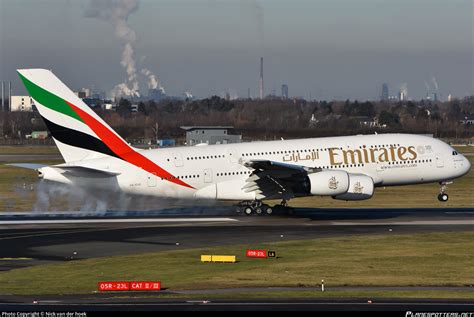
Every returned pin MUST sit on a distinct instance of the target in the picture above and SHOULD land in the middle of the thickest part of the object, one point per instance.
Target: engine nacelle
(360, 187)
(328, 183)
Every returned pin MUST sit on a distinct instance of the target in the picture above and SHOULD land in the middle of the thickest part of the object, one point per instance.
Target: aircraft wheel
(258, 210)
(443, 197)
(269, 210)
(248, 211)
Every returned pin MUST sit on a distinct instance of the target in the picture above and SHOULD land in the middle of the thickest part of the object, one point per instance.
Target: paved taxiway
(13, 158)
(31, 239)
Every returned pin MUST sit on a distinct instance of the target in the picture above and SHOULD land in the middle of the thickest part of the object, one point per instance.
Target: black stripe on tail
(78, 139)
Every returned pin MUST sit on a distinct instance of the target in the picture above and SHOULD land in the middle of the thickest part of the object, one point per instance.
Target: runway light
(390, 229)
(369, 301)
(281, 236)
(177, 243)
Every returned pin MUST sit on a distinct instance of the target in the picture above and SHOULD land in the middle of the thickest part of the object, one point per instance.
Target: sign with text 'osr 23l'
(113, 286)
(256, 253)
(129, 286)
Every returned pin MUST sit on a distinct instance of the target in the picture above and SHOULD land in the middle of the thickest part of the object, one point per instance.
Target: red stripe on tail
(123, 150)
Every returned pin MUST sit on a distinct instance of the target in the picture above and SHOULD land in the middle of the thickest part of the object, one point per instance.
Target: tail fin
(79, 133)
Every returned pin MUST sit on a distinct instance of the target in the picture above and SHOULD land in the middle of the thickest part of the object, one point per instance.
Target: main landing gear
(258, 208)
(443, 196)
(254, 207)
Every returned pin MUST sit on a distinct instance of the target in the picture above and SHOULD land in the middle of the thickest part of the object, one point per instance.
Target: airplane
(344, 168)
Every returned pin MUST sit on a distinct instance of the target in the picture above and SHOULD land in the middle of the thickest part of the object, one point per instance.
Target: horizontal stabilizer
(82, 171)
(30, 166)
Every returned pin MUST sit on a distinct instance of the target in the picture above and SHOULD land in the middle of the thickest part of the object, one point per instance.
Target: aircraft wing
(274, 179)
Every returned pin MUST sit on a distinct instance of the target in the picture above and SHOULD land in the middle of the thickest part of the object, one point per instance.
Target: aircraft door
(439, 160)
(232, 154)
(178, 160)
(208, 175)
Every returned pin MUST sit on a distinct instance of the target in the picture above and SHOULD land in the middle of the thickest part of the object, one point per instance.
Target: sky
(322, 49)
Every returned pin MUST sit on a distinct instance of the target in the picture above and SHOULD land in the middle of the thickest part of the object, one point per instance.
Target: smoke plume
(260, 24)
(435, 83)
(53, 197)
(404, 88)
(153, 82)
(256, 12)
(427, 86)
(116, 12)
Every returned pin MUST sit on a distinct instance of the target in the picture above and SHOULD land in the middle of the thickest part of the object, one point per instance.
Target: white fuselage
(389, 159)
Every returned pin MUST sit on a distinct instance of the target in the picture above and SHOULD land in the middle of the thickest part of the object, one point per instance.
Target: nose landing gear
(443, 196)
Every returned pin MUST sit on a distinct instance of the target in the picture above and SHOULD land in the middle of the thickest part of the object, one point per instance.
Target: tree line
(271, 118)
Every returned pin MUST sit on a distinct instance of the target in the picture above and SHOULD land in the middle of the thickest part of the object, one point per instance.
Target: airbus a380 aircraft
(346, 168)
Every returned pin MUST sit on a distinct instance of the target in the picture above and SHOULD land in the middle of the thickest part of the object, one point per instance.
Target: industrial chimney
(9, 96)
(261, 77)
(3, 95)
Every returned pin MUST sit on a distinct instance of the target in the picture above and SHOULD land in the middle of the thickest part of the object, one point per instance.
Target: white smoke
(116, 12)
(54, 197)
(153, 82)
(404, 88)
(435, 83)
(259, 17)
(427, 86)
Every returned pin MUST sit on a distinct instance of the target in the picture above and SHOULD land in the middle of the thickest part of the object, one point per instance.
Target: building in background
(156, 94)
(210, 135)
(6, 106)
(385, 92)
(261, 88)
(284, 91)
(22, 103)
(81, 94)
(37, 135)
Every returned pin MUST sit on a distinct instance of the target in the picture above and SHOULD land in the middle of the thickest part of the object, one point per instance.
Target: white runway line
(407, 223)
(150, 220)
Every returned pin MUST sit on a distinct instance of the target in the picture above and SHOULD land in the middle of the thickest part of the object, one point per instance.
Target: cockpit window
(455, 153)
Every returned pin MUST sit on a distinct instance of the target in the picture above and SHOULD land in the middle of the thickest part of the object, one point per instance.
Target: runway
(38, 238)
(103, 303)
(29, 239)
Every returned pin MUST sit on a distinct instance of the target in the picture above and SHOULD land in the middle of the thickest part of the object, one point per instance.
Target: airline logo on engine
(358, 188)
(332, 184)
(363, 155)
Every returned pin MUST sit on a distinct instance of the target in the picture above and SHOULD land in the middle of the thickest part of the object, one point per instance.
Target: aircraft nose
(467, 164)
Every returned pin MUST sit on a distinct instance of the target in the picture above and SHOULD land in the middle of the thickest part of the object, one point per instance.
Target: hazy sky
(323, 49)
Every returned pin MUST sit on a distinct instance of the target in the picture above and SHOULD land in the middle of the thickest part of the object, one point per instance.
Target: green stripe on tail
(48, 99)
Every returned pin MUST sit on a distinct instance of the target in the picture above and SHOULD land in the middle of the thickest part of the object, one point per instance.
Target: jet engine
(360, 187)
(328, 183)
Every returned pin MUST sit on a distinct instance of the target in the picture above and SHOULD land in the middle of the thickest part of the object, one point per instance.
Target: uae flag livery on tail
(78, 132)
